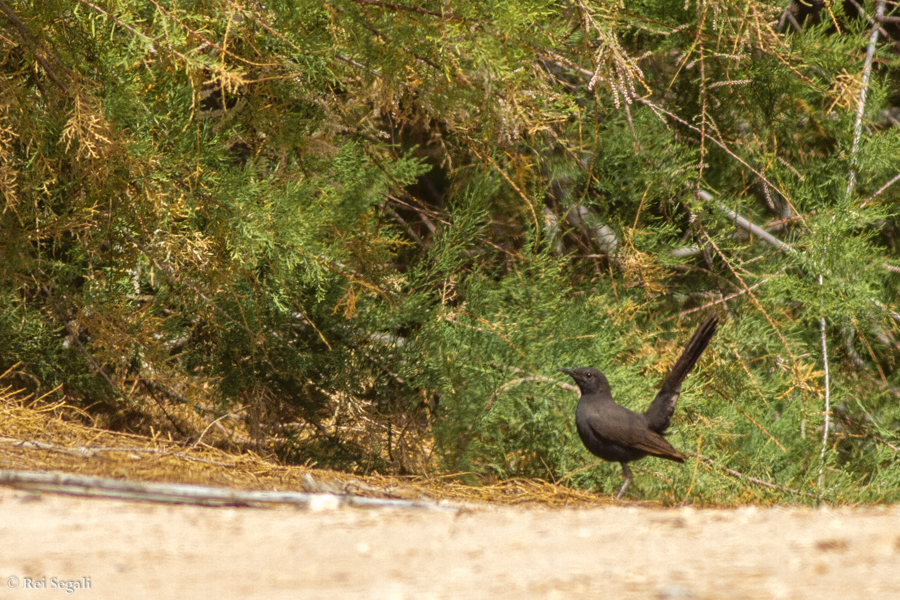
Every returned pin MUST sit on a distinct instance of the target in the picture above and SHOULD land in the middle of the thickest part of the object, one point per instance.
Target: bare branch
(739, 475)
(744, 223)
(861, 105)
(171, 493)
(827, 396)
(33, 43)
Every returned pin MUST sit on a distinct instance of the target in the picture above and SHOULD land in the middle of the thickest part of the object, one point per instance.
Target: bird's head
(588, 379)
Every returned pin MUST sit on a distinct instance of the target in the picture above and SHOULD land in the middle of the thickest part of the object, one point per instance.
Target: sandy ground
(140, 550)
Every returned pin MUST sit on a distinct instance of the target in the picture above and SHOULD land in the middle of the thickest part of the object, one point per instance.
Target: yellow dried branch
(87, 129)
(845, 90)
(8, 172)
(612, 65)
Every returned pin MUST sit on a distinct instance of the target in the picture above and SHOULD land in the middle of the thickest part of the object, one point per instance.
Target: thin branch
(171, 274)
(421, 11)
(720, 301)
(761, 482)
(881, 189)
(782, 223)
(794, 22)
(386, 38)
(783, 17)
(147, 40)
(686, 252)
(861, 105)
(208, 427)
(406, 226)
(171, 493)
(871, 21)
(851, 184)
(761, 428)
(745, 224)
(35, 45)
(827, 391)
(753, 299)
(720, 144)
(92, 452)
(854, 424)
(880, 305)
(93, 362)
(528, 202)
(208, 42)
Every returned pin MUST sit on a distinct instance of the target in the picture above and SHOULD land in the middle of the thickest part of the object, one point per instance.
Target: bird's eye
(589, 375)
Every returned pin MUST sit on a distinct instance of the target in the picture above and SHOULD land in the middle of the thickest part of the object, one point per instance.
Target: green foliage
(367, 234)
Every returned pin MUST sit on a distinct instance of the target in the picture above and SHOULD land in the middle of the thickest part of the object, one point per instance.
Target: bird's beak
(567, 372)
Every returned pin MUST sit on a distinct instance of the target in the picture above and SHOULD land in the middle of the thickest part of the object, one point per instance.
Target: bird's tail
(691, 354)
(661, 409)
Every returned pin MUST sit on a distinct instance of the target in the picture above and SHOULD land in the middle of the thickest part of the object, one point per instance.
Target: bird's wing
(661, 409)
(629, 430)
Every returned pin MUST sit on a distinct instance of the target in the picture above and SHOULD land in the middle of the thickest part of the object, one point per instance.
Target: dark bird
(615, 433)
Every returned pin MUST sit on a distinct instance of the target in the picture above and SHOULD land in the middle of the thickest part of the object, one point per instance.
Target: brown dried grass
(36, 434)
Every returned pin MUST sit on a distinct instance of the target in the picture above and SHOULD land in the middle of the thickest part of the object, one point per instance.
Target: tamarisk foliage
(365, 234)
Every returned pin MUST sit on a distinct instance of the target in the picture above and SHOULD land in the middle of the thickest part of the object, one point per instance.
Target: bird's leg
(626, 475)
